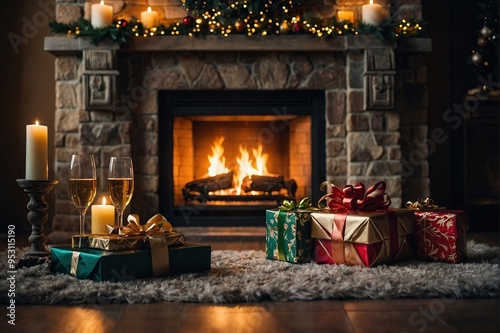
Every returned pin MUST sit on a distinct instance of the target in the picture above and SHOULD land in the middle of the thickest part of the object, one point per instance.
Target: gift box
(115, 242)
(441, 234)
(100, 265)
(364, 238)
(356, 227)
(288, 232)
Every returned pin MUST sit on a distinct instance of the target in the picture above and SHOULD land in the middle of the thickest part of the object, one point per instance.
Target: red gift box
(357, 227)
(441, 235)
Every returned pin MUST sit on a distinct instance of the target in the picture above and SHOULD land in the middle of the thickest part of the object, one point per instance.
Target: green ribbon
(281, 234)
(289, 205)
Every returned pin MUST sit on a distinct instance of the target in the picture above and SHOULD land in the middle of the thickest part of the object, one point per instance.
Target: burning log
(201, 187)
(269, 184)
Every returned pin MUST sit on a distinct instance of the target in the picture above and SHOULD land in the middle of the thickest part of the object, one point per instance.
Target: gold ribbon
(154, 231)
(423, 204)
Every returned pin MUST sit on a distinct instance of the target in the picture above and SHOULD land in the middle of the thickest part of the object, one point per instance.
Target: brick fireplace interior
(373, 113)
(276, 134)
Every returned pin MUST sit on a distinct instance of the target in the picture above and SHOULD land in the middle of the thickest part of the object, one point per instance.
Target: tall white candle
(100, 216)
(101, 15)
(37, 167)
(149, 18)
(372, 13)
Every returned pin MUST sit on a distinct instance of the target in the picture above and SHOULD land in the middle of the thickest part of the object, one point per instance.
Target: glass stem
(120, 219)
(82, 223)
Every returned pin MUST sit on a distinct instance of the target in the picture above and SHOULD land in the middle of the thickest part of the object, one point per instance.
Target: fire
(246, 165)
(217, 159)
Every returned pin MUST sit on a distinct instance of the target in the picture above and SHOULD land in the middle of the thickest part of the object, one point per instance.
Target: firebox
(227, 155)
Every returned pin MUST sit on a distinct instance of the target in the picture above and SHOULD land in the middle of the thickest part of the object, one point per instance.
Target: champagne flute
(120, 184)
(82, 184)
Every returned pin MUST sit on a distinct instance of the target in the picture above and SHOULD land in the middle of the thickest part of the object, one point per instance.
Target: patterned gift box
(288, 235)
(157, 232)
(441, 234)
(99, 265)
(364, 238)
(356, 227)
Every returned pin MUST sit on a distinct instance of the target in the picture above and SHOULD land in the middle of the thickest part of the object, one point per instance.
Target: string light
(269, 18)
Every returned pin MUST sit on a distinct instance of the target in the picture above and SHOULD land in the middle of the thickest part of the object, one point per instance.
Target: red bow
(355, 197)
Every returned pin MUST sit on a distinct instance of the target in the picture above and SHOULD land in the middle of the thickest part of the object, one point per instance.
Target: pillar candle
(101, 15)
(372, 13)
(37, 167)
(149, 18)
(345, 15)
(100, 216)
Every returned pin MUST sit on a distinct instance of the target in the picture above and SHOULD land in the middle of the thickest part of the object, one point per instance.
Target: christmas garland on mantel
(249, 17)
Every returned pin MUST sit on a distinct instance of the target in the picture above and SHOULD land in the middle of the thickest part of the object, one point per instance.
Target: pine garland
(245, 17)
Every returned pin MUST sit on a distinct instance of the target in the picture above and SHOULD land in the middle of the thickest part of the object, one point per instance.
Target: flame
(217, 159)
(246, 165)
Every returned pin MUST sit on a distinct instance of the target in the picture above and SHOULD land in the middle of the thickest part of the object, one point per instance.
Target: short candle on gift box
(102, 215)
(36, 152)
(101, 15)
(149, 18)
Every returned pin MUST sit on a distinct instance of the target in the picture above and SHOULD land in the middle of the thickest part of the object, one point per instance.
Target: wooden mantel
(290, 43)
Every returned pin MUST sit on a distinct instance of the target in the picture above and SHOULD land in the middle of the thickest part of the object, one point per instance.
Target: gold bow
(154, 231)
(423, 204)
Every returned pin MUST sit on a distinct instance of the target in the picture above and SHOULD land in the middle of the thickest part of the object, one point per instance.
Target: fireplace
(369, 114)
(226, 156)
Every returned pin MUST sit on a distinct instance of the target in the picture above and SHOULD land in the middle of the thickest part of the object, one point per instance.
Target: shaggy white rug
(246, 276)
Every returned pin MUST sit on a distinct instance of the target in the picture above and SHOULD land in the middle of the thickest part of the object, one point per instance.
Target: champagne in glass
(120, 184)
(82, 184)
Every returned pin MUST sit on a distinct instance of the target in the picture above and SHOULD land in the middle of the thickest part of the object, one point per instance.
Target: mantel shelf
(288, 43)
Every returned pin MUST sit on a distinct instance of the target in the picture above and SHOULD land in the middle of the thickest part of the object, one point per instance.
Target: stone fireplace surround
(375, 95)
(367, 135)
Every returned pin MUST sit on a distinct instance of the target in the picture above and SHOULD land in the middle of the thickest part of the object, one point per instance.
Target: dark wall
(26, 94)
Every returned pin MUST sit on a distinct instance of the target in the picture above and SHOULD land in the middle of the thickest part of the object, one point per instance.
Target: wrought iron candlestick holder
(37, 216)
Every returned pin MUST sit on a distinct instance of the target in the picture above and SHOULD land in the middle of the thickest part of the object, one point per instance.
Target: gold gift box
(114, 242)
(365, 239)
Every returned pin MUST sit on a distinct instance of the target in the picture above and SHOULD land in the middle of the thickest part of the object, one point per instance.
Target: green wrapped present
(99, 265)
(288, 232)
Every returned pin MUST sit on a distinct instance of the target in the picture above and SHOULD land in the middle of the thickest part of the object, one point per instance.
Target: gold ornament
(486, 31)
(476, 58)
(284, 27)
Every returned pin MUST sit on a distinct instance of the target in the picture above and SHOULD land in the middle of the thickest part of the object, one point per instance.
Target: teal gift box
(288, 235)
(100, 265)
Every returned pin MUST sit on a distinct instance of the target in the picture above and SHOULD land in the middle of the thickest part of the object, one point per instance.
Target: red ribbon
(352, 198)
(355, 197)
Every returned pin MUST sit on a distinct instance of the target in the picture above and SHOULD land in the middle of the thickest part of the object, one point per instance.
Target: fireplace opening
(226, 156)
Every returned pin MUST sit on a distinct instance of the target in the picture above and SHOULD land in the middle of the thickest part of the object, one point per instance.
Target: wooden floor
(406, 315)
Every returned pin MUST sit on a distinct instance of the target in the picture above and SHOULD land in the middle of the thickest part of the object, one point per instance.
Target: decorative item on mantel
(214, 18)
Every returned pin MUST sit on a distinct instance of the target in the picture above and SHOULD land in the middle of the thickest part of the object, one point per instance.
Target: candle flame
(104, 201)
(37, 123)
(149, 9)
(102, 2)
(371, 2)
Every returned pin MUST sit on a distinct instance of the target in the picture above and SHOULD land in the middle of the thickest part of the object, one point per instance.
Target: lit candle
(345, 15)
(101, 15)
(373, 13)
(102, 215)
(37, 167)
(149, 18)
